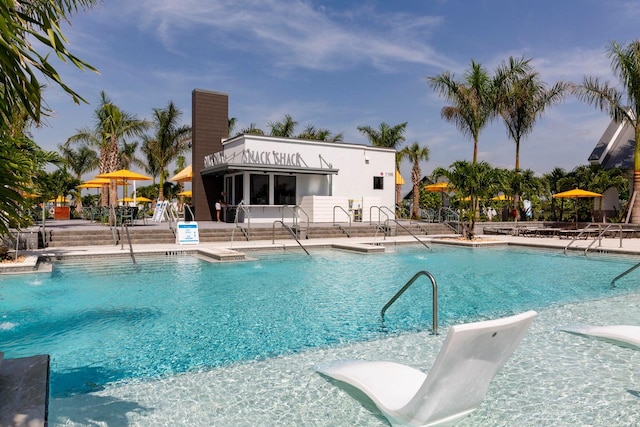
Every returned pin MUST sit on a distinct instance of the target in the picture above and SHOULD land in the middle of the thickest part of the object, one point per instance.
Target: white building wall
(317, 194)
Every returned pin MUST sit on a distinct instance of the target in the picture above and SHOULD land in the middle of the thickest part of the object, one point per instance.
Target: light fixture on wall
(366, 160)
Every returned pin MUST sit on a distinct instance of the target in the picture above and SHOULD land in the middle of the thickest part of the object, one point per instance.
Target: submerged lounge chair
(622, 335)
(469, 359)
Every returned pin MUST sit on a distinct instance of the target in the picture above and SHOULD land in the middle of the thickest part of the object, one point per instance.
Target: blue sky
(343, 64)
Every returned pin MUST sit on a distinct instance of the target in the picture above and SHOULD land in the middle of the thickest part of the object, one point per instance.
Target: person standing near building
(218, 209)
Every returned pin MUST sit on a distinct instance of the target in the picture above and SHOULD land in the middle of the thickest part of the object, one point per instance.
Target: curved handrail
(379, 212)
(621, 275)
(405, 287)
(345, 212)
(386, 224)
(286, 227)
(294, 215)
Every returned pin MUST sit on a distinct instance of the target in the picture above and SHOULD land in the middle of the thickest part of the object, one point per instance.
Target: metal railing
(290, 231)
(405, 287)
(386, 224)
(348, 232)
(586, 231)
(379, 208)
(621, 275)
(295, 216)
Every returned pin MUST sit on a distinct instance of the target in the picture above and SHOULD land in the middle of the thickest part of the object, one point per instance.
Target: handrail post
(405, 287)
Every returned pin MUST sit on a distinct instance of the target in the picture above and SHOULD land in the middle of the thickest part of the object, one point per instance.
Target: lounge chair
(622, 335)
(469, 359)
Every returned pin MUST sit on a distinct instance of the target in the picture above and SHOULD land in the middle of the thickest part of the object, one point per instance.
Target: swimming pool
(107, 321)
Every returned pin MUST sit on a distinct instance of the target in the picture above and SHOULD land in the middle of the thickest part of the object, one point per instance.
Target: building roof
(615, 147)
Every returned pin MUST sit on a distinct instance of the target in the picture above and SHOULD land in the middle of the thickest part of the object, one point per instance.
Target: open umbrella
(185, 175)
(143, 199)
(186, 193)
(576, 193)
(124, 175)
(439, 187)
(59, 199)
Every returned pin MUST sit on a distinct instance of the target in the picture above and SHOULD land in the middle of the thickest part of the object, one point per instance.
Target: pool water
(107, 321)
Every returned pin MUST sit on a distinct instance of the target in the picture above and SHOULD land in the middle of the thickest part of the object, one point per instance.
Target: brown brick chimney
(210, 125)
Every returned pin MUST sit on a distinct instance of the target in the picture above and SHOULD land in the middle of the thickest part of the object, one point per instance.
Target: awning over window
(226, 168)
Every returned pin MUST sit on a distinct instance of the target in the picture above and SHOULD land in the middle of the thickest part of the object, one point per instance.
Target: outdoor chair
(622, 335)
(470, 357)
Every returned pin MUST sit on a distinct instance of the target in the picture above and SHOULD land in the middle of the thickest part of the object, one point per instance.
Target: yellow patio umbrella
(399, 178)
(439, 187)
(90, 185)
(500, 198)
(126, 200)
(142, 199)
(186, 193)
(576, 193)
(59, 199)
(125, 175)
(186, 175)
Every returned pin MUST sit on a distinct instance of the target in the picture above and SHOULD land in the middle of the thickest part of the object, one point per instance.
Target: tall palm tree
(112, 127)
(284, 129)
(79, 162)
(389, 137)
(472, 99)
(386, 135)
(415, 154)
(625, 64)
(169, 141)
(522, 98)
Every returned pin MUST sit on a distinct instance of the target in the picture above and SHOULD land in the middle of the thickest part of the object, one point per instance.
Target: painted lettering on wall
(213, 159)
(271, 158)
(259, 158)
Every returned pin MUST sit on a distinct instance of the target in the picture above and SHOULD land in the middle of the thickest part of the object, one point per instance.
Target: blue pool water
(104, 321)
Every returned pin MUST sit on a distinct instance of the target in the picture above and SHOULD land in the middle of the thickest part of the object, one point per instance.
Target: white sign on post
(187, 233)
(158, 213)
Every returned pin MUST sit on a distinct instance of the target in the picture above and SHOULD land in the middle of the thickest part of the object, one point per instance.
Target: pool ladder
(405, 287)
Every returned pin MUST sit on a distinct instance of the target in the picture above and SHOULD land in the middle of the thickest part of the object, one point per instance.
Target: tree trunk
(635, 209)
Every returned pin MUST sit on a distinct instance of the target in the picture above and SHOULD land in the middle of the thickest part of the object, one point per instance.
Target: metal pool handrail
(405, 287)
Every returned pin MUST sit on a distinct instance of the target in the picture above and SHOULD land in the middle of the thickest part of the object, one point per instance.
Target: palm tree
(468, 179)
(170, 139)
(30, 31)
(251, 130)
(284, 129)
(112, 127)
(554, 179)
(389, 137)
(522, 98)
(310, 132)
(386, 135)
(625, 64)
(415, 153)
(80, 161)
(473, 104)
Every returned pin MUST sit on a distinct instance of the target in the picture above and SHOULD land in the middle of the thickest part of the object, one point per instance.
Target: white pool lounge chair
(470, 357)
(622, 335)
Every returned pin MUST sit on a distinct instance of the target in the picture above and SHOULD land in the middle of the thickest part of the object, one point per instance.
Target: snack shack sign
(256, 157)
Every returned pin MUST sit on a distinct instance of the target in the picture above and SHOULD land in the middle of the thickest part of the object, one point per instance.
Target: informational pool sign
(187, 233)
(158, 213)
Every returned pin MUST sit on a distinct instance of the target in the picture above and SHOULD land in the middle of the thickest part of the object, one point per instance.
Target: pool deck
(233, 250)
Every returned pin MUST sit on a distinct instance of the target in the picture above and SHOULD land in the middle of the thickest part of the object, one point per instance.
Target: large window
(238, 186)
(284, 190)
(259, 189)
(378, 183)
